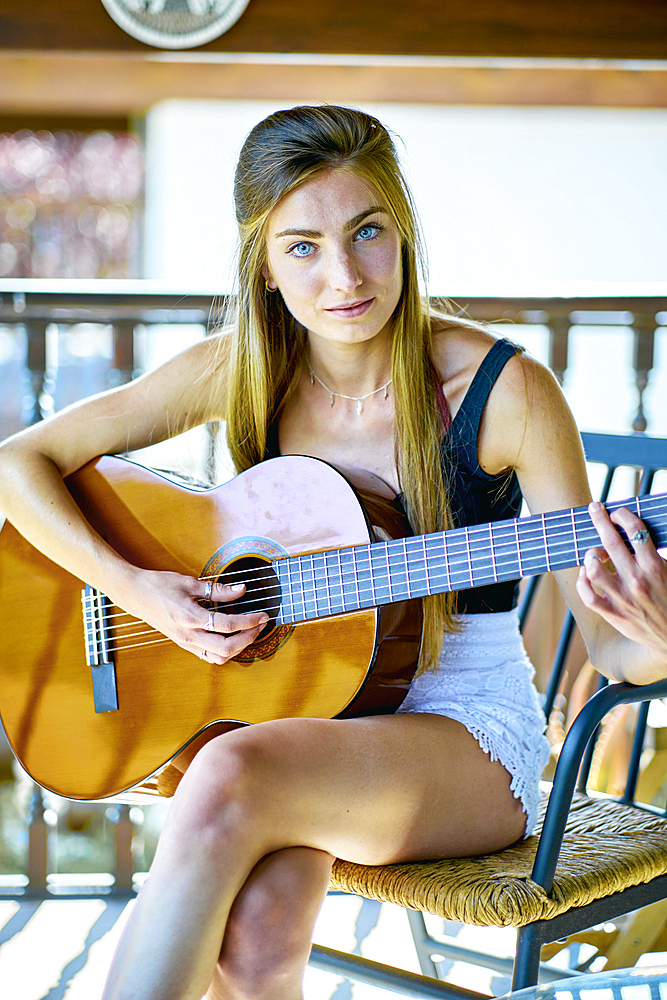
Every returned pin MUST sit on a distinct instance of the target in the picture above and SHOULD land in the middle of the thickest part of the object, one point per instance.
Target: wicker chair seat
(606, 848)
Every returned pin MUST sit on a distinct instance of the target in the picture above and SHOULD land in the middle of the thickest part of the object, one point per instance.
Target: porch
(68, 871)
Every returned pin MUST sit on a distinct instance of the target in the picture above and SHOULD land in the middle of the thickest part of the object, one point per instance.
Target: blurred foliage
(70, 204)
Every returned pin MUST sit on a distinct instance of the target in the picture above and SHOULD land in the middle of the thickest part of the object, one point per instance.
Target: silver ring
(640, 536)
(210, 626)
(208, 590)
(204, 654)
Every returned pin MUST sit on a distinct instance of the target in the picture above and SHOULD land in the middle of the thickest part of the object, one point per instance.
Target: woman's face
(333, 251)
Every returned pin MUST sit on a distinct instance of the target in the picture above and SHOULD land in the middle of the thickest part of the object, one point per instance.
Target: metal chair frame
(615, 451)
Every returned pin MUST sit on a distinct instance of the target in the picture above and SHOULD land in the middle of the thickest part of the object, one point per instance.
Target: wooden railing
(34, 306)
(29, 379)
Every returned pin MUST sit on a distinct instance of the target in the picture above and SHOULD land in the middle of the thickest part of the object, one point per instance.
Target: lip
(352, 310)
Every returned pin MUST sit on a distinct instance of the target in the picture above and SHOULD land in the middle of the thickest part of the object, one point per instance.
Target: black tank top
(474, 496)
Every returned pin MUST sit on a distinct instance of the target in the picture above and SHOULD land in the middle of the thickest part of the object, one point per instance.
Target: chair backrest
(644, 456)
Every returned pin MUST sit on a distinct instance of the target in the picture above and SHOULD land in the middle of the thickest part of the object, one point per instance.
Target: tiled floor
(61, 949)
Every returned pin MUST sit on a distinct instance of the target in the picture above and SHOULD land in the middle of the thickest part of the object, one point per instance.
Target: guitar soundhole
(262, 594)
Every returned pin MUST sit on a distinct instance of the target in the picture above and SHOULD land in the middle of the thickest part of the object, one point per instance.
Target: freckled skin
(350, 260)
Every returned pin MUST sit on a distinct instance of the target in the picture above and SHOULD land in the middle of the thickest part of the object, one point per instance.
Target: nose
(344, 271)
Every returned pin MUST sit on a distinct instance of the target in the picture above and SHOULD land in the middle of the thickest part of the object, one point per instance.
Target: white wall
(509, 197)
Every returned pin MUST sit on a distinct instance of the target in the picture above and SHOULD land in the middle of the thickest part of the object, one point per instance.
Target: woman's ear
(268, 280)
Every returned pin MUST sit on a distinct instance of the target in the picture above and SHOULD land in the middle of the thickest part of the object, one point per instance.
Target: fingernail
(236, 587)
(263, 620)
(594, 506)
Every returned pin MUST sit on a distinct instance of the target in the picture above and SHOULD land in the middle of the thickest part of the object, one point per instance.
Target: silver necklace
(341, 395)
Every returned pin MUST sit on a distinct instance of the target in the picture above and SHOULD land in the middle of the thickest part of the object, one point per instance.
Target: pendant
(359, 407)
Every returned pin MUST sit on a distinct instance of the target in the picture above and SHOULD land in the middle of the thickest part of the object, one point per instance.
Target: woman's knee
(228, 778)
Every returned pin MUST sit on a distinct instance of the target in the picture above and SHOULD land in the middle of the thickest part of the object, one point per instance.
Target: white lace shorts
(484, 680)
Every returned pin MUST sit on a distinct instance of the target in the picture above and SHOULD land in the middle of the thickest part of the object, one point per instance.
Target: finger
(599, 554)
(590, 597)
(599, 567)
(617, 551)
(221, 592)
(217, 621)
(227, 647)
(632, 525)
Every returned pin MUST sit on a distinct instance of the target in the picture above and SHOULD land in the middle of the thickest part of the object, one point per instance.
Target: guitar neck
(366, 576)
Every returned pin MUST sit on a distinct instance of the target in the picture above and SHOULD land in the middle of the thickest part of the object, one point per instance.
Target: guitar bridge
(99, 656)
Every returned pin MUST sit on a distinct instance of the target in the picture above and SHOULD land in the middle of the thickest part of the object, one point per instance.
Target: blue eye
(369, 231)
(301, 249)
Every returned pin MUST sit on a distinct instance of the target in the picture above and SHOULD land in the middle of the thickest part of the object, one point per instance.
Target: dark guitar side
(354, 664)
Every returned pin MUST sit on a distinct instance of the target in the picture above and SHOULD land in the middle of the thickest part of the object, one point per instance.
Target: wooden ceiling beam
(603, 29)
(128, 84)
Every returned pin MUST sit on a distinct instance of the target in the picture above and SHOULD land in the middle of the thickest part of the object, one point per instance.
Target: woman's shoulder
(522, 387)
(459, 346)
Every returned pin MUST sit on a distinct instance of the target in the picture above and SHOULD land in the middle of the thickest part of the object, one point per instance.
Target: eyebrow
(352, 224)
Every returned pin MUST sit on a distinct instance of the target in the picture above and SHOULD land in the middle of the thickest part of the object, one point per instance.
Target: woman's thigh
(373, 790)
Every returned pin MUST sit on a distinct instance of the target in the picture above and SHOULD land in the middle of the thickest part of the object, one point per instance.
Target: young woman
(334, 354)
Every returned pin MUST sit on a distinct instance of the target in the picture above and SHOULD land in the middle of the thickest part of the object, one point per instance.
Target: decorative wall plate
(175, 24)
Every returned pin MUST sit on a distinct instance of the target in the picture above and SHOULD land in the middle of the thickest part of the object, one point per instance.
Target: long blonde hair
(268, 344)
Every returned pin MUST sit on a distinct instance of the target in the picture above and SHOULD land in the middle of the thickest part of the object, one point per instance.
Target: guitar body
(358, 663)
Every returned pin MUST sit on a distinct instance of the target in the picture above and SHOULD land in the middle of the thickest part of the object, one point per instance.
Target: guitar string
(434, 575)
(451, 558)
(530, 529)
(457, 559)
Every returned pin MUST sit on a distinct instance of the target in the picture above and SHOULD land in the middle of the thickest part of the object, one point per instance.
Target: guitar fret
(493, 555)
(319, 599)
(348, 579)
(302, 591)
(307, 600)
(339, 569)
(446, 559)
(370, 574)
(319, 584)
(470, 571)
(574, 535)
(427, 577)
(546, 543)
(365, 577)
(300, 604)
(356, 576)
(518, 545)
(325, 567)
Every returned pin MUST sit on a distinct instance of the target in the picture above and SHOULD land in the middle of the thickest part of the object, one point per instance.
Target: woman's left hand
(633, 595)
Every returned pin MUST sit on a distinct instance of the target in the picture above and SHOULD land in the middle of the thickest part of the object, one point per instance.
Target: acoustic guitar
(94, 702)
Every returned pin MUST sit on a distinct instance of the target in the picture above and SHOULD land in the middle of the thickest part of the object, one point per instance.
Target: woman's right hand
(178, 607)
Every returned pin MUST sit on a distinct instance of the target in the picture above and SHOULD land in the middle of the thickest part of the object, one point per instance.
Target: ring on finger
(640, 536)
(210, 625)
(208, 589)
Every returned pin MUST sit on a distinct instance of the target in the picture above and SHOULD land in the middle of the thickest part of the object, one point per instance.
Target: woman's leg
(270, 926)
(375, 791)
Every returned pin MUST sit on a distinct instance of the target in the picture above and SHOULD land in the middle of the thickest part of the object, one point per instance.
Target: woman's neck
(354, 370)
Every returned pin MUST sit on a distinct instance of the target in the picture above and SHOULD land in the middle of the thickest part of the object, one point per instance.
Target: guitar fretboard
(365, 576)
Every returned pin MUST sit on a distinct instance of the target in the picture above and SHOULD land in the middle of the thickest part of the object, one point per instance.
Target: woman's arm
(528, 426)
(35, 499)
